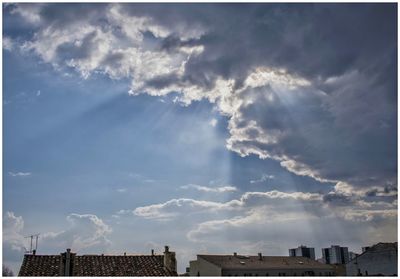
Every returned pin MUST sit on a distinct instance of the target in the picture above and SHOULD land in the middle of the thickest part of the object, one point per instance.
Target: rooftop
(379, 247)
(96, 265)
(267, 262)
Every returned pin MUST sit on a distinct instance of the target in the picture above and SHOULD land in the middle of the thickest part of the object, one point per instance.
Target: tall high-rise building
(302, 251)
(335, 255)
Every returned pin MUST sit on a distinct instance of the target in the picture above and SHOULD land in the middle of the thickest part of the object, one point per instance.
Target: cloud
(8, 43)
(174, 208)
(14, 243)
(183, 206)
(282, 100)
(263, 178)
(85, 232)
(221, 189)
(274, 205)
(12, 231)
(370, 215)
(287, 215)
(121, 190)
(19, 173)
(142, 178)
(297, 227)
(213, 122)
(283, 212)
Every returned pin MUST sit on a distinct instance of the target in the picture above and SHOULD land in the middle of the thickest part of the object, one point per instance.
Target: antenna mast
(31, 250)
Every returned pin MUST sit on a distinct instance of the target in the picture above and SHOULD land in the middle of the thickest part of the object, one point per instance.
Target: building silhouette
(302, 251)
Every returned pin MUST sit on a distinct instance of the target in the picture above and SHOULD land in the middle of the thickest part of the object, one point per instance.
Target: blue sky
(210, 128)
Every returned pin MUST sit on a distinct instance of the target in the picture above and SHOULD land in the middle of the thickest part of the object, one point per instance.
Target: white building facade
(335, 255)
(237, 265)
(302, 251)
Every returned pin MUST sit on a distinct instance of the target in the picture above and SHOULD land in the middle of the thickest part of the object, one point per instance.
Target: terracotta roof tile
(40, 266)
(96, 265)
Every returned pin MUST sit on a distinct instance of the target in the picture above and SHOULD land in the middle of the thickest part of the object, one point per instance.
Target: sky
(211, 128)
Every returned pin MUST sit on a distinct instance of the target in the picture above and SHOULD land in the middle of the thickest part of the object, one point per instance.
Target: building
(70, 264)
(335, 255)
(365, 248)
(380, 259)
(237, 265)
(302, 251)
(352, 255)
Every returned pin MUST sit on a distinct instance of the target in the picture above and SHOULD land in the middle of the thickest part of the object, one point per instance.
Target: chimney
(152, 252)
(260, 256)
(169, 260)
(67, 262)
(234, 254)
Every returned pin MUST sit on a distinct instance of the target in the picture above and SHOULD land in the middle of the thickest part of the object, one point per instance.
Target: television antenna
(36, 237)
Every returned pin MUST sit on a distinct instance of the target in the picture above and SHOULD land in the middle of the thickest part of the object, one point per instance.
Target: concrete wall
(374, 263)
(201, 267)
(278, 272)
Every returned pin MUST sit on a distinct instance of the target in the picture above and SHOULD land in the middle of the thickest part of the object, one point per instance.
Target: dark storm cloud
(339, 126)
(315, 40)
(162, 81)
(386, 191)
(337, 199)
(173, 41)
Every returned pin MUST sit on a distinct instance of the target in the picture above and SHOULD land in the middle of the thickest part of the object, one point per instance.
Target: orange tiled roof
(96, 265)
